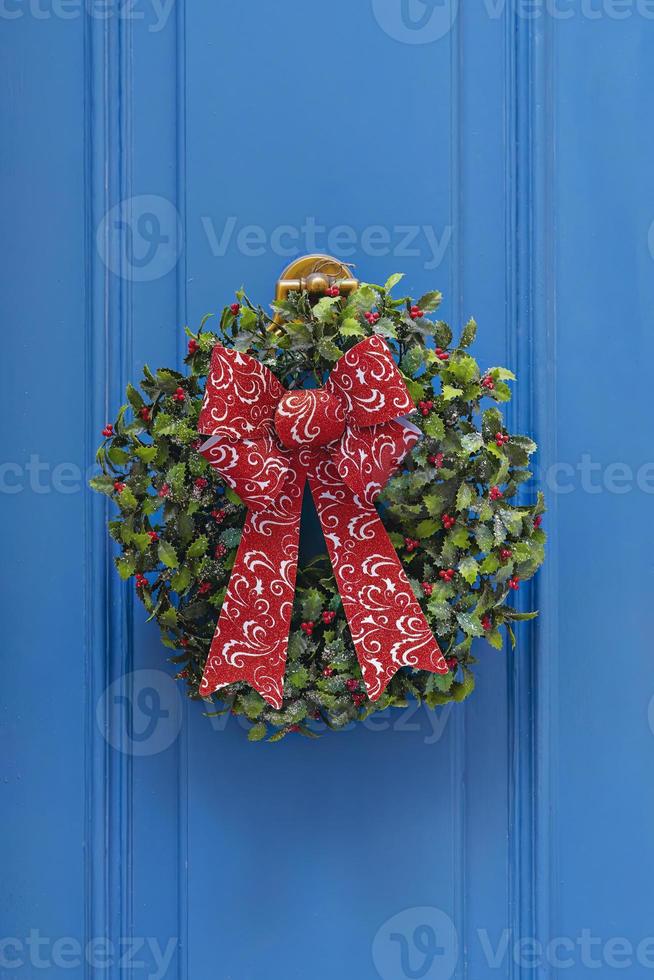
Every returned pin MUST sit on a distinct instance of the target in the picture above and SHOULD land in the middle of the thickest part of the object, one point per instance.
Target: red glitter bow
(346, 439)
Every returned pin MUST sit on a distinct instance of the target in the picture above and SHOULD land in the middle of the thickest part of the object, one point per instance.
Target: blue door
(158, 154)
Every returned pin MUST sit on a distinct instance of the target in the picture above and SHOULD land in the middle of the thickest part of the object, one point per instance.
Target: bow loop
(240, 397)
(366, 458)
(255, 469)
(370, 384)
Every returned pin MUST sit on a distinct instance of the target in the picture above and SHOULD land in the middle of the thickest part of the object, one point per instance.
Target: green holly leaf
(231, 537)
(126, 566)
(351, 328)
(298, 677)
(470, 624)
(427, 528)
(324, 310)
(469, 569)
(385, 328)
(127, 500)
(147, 453)
(501, 374)
(413, 360)
(450, 392)
(329, 350)
(489, 565)
(168, 617)
(393, 281)
(462, 368)
(103, 484)
(199, 547)
(168, 555)
(257, 732)
(434, 427)
(472, 442)
(469, 334)
(465, 497)
(181, 580)
(430, 301)
(312, 604)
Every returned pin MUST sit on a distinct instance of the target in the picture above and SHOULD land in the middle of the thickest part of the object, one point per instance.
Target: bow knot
(309, 418)
(356, 438)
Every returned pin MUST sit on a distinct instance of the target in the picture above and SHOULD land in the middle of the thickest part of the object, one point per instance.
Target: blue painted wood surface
(499, 152)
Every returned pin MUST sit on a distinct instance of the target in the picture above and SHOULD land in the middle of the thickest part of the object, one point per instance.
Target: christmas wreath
(453, 513)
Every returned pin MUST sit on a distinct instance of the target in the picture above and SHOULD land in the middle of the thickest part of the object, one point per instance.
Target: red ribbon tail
(388, 627)
(251, 637)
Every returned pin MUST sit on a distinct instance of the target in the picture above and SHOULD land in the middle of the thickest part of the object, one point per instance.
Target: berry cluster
(372, 318)
(448, 521)
(501, 439)
(495, 493)
(416, 313)
(411, 544)
(441, 354)
(425, 407)
(333, 291)
(447, 574)
(437, 460)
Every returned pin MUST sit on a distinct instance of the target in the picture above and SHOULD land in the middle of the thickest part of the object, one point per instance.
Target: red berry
(486, 623)
(328, 616)
(443, 356)
(108, 430)
(294, 728)
(448, 521)
(308, 628)
(514, 583)
(165, 490)
(351, 684)
(145, 413)
(119, 487)
(333, 291)
(505, 554)
(141, 581)
(538, 521)
(153, 536)
(220, 551)
(427, 588)
(487, 382)
(201, 483)
(179, 395)
(218, 516)
(359, 699)
(495, 493)
(452, 664)
(193, 346)
(328, 671)
(235, 308)
(204, 587)
(184, 641)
